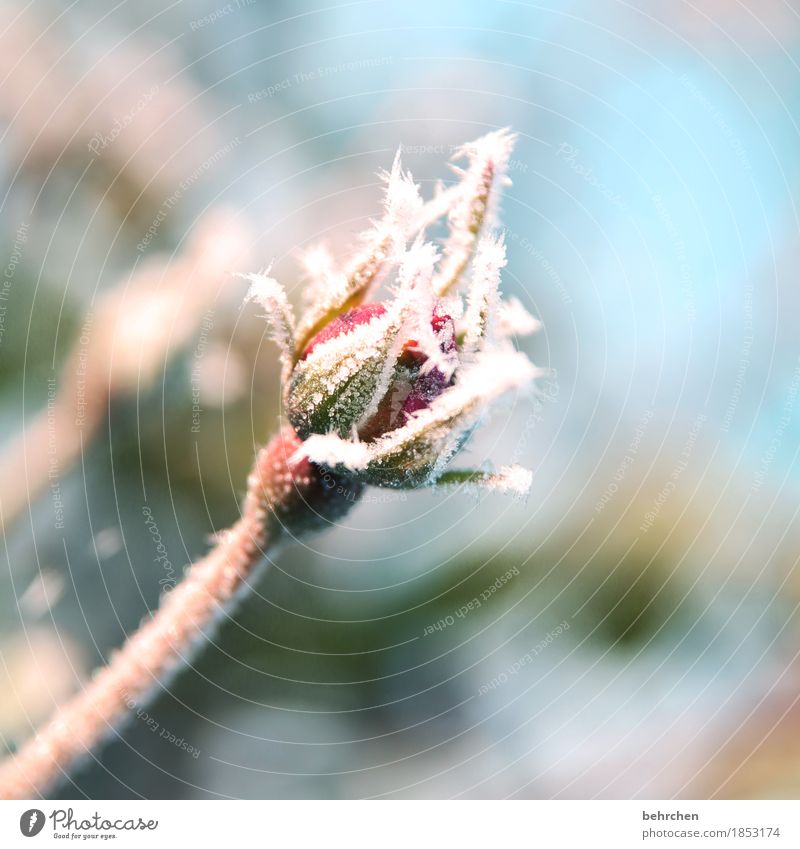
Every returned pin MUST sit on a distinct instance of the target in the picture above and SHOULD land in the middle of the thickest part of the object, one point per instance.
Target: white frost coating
(387, 237)
(496, 374)
(338, 359)
(414, 279)
(510, 479)
(321, 276)
(483, 299)
(402, 203)
(416, 269)
(493, 375)
(439, 205)
(415, 275)
(351, 374)
(331, 450)
(267, 292)
(383, 244)
(476, 205)
(514, 320)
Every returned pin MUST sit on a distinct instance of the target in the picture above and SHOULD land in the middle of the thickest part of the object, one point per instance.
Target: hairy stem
(283, 496)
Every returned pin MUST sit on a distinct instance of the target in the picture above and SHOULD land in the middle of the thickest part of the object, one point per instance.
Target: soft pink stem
(279, 492)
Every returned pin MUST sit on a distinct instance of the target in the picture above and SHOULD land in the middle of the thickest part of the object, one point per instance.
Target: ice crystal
(389, 390)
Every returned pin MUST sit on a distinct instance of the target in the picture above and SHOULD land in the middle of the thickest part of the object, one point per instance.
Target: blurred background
(636, 632)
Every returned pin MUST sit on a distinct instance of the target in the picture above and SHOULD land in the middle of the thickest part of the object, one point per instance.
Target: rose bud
(388, 391)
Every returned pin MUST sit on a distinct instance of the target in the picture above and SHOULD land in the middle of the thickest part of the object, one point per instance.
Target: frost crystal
(514, 320)
(475, 206)
(388, 391)
(483, 300)
(267, 292)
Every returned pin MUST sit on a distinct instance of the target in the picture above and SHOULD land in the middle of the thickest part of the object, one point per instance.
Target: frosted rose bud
(388, 391)
(334, 384)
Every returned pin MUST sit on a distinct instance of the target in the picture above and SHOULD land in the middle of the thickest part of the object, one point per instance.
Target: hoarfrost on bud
(383, 243)
(509, 480)
(330, 450)
(514, 320)
(411, 455)
(332, 387)
(388, 391)
(321, 275)
(483, 299)
(475, 207)
(269, 294)
(403, 203)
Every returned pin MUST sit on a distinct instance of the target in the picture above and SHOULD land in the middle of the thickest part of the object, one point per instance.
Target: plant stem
(282, 495)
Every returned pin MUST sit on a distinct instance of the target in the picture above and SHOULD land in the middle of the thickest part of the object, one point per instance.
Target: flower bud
(388, 391)
(336, 383)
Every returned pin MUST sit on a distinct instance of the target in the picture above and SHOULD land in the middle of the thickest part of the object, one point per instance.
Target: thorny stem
(283, 496)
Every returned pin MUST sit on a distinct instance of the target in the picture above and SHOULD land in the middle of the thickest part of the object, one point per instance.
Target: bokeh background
(637, 634)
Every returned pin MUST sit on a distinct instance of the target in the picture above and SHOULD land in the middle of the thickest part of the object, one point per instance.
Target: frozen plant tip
(378, 389)
(386, 388)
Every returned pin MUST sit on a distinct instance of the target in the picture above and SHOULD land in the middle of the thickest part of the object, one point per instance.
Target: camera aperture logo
(31, 822)
(67, 826)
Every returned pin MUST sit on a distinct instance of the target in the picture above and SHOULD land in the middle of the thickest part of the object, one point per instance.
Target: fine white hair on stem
(268, 293)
